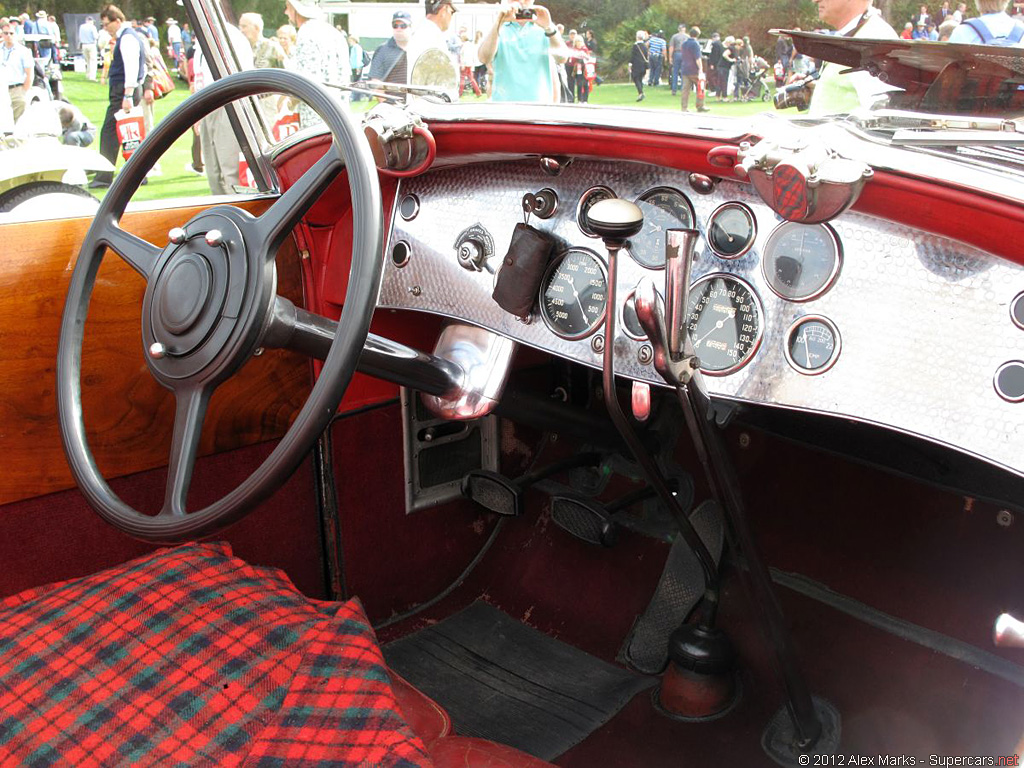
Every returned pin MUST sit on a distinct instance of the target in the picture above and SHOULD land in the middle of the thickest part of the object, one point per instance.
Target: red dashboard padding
(191, 656)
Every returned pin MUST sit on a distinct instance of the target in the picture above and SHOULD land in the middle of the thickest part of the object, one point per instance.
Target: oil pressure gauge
(812, 344)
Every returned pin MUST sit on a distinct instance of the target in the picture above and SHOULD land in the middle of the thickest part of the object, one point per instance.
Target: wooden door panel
(128, 415)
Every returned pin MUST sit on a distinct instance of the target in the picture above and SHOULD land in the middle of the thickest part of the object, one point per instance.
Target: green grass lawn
(175, 181)
(92, 99)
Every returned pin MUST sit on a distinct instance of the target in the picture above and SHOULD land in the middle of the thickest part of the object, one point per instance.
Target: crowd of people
(523, 56)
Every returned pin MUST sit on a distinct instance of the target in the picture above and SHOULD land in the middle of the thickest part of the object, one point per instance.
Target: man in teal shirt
(523, 47)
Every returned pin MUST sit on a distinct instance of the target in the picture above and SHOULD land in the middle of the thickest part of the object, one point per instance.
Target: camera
(525, 13)
(796, 94)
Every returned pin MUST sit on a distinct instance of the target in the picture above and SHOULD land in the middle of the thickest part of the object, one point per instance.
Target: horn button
(194, 303)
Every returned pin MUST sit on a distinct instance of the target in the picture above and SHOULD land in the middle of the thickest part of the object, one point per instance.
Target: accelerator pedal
(679, 590)
(591, 521)
(505, 496)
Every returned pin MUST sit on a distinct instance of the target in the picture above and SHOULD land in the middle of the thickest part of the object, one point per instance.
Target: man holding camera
(520, 47)
(835, 92)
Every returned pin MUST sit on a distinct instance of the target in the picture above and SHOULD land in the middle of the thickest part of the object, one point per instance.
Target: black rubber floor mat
(503, 681)
(680, 588)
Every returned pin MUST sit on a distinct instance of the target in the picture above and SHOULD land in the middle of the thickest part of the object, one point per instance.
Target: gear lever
(675, 361)
(614, 221)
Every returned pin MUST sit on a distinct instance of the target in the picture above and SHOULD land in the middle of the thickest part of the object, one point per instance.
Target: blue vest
(116, 75)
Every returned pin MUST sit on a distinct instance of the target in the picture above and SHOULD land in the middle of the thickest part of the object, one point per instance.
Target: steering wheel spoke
(285, 213)
(190, 413)
(140, 254)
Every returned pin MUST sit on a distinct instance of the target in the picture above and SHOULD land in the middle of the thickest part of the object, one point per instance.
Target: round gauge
(664, 208)
(812, 344)
(573, 294)
(801, 261)
(731, 230)
(587, 201)
(1017, 310)
(724, 322)
(630, 321)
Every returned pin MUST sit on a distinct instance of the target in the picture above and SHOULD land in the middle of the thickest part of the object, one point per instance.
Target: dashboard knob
(615, 219)
(471, 255)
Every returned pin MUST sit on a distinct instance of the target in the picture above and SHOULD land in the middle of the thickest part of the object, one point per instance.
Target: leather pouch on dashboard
(522, 269)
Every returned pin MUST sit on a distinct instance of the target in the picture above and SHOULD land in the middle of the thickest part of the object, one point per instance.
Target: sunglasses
(400, 25)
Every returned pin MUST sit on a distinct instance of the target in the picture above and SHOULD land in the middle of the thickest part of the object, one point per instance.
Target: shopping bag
(286, 124)
(131, 130)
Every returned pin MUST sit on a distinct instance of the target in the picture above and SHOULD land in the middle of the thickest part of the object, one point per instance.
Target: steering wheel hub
(183, 293)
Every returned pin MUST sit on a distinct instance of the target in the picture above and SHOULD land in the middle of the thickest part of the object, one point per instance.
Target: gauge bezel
(760, 320)
(995, 381)
(753, 230)
(579, 207)
(837, 247)
(1018, 299)
(835, 351)
(555, 263)
(655, 190)
(622, 317)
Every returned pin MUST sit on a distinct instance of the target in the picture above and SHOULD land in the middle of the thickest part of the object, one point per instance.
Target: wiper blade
(924, 130)
(393, 91)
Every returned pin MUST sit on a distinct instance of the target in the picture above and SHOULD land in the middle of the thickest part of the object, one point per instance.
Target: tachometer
(724, 322)
(801, 261)
(664, 208)
(587, 201)
(574, 294)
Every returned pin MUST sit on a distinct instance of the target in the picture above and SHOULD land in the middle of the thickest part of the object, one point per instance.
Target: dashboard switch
(473, 247)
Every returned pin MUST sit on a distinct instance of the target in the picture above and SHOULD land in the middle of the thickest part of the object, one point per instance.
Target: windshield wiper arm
(393, 91)
(922, 130)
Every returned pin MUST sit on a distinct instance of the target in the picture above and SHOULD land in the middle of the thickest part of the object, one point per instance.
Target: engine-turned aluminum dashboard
(915, 327)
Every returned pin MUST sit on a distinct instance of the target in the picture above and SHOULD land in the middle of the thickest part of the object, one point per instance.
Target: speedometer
(574, 294)
(723, 317)
(664, 208)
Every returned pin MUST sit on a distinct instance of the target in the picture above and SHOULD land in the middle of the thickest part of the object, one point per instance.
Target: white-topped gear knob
(214, 237)
(615, 220)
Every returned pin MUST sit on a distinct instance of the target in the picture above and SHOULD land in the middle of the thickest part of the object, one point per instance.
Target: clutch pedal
(503, 495)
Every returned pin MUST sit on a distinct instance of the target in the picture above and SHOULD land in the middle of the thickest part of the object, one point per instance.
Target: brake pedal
(591, 521)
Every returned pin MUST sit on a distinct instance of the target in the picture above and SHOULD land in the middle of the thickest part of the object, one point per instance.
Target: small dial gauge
(587, 201)
(801, 261)
(724, 322)
(812, 344)
(630, 321)
(664, 208)
(574, 294)
(731, 230)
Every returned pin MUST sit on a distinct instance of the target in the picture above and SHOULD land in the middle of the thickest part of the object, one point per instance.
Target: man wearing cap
(150, 30)
(127, 71)
(87, 39)
(430, 35)
(321, 52)
(174, 39)
(18, 68)
(520, 50)
(390, 62)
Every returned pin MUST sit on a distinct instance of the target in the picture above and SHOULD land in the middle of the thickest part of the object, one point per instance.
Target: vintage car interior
(490, 436)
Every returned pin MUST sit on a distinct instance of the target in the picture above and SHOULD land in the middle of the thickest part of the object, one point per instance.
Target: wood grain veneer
(128, 415)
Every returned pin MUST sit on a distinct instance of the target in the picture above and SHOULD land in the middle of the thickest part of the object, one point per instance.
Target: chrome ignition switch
(473, 247)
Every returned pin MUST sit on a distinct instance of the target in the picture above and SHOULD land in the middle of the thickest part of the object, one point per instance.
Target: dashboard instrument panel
(813, 317)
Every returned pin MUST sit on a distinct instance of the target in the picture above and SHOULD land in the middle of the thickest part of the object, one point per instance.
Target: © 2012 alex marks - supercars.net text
(946, 761)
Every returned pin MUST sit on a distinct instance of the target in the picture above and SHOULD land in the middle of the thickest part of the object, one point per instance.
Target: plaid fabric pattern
(191, 656)
(790, 189)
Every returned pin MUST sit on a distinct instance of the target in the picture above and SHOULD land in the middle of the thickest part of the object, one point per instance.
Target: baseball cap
(402, 15)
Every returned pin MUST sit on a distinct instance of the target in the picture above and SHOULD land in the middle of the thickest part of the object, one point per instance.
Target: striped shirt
(656, 46)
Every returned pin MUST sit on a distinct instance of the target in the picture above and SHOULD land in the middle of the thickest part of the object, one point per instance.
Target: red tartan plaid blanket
(191, 656)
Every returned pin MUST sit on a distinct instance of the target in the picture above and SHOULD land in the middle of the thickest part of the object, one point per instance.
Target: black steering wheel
(210, 304)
